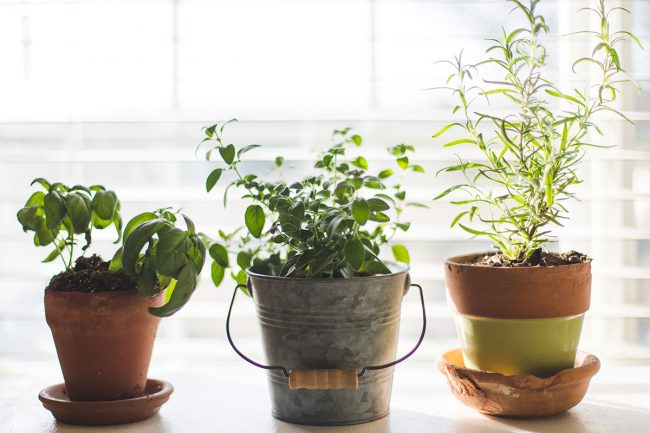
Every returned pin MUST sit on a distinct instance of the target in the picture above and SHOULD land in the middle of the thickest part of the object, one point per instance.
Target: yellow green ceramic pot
(518, 320)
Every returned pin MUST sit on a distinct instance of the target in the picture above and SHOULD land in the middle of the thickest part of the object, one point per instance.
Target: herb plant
(331, 224)
(532, 152)
(172, 260)
(61, 215)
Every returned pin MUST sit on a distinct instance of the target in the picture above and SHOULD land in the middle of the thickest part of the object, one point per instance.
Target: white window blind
(115, 92)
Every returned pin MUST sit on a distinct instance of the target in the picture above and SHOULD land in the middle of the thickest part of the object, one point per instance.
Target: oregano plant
(531, 152)
(331, 224)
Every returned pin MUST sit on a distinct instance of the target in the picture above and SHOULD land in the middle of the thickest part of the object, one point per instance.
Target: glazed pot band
(534, 292)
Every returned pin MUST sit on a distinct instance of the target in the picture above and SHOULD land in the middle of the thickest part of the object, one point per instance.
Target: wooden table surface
(232, 397)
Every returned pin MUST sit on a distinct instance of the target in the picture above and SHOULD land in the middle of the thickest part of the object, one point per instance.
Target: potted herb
(308, 256)
(99, 311)
(520, 308)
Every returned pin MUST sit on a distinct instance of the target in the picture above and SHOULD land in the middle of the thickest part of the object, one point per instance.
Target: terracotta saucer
(524, 396)
(56, 400)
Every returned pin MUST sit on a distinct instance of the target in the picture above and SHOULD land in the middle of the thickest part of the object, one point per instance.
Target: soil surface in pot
(539, 258)
(90, 275)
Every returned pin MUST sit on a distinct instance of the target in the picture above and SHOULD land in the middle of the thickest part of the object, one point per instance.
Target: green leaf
(244, 259)
(357, 140)
(384, 174)
(137, 220)
(377, 204)
(146, 280)
(297, 211)
(116, 262)
(137, 239)
(548, 185)
(168, 285)
(219, 254)
(191, 229)
(209, 131)
(43, 235)
(78, 208)
(354, 253)
(36, 199)
(196, 251)
(360, 211)
(217, 272)
(83, 188)
(401, 254)
(445, 129)
(360, 162)
(631, 36)
(213, 178)
(335, 226)
(459, 141)
(171, 251)
(56, 252)
(185, 286)
(240, 278)
(403, 226)
(279, 160)
(448, 191)
(105, 204)
(227, 153)
(245, 149)
(458, 217)
(254, 218)
(44, 183)
(614, 55)
(100, 223)
(377, 267)
(28, 217)
(379, 217)
(472, 231)
(403, 162)
(565, 96)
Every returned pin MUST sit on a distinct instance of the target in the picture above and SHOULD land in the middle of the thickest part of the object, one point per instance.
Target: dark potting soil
(539, 258)
(90, 275)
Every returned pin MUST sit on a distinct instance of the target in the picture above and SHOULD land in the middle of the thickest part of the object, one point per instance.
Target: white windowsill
(231, 397)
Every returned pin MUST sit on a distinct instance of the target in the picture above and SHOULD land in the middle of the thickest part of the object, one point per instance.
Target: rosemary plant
(531, 153)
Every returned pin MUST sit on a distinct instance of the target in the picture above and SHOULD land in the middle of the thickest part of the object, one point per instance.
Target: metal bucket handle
(325, 378)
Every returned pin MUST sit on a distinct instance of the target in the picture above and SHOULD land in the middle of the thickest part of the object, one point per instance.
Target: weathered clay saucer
(523, 395)
(112, 412)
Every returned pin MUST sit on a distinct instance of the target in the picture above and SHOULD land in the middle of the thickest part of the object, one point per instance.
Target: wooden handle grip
(323, 379)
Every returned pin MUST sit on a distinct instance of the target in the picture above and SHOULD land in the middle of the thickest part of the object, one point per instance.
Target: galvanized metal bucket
(330, 344)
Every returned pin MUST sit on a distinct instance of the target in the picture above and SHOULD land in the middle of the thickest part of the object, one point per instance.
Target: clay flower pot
(104, 341)
(520, 395)
(518, 320)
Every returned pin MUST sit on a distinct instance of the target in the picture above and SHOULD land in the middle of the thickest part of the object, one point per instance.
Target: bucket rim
(399, 269)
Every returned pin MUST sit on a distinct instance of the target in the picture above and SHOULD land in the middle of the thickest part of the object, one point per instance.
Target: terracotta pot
(104, 342)
(524, 320)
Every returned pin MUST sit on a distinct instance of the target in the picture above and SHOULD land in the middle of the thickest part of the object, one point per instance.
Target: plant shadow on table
(399, 421)
(588, 417)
